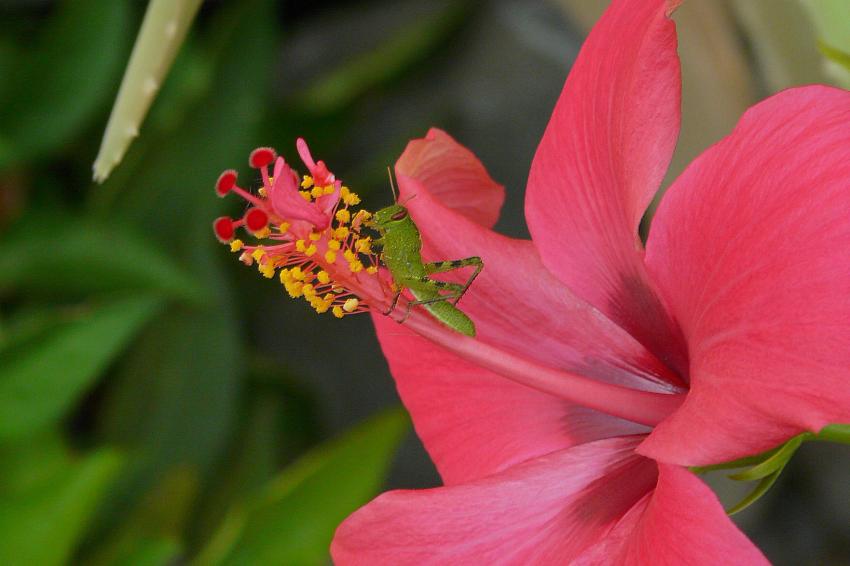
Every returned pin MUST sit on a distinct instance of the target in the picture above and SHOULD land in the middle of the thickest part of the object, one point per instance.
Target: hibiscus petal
(750, 249)
(474, 422)
(454, 176)
(681, 522)
(601, 159)
(545, 511)
(516, 303)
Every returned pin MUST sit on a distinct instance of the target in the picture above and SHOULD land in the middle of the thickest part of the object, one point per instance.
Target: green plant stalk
(839, 433)
(163, 30)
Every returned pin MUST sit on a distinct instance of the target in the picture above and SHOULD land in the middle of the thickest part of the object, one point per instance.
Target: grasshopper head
(387, 217)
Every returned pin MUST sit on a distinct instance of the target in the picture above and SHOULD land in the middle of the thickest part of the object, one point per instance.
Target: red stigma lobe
(261, 157)
(256, 219)
(226, 181)
(224, 228)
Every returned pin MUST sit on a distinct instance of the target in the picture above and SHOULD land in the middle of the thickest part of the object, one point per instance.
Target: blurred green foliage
(137, 424)
(831, 19)
(63, 77)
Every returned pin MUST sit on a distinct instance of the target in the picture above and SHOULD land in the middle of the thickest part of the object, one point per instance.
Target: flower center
(307, 231)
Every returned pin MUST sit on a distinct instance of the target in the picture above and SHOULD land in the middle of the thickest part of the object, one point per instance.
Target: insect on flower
(307, 231)
(402, 254)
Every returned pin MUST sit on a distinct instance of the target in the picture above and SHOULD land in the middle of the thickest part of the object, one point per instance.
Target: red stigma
(256, 219)
(261, 157)
(224, 229)
(225, 182)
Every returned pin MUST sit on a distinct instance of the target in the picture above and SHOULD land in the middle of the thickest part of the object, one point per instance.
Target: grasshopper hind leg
(451, 265)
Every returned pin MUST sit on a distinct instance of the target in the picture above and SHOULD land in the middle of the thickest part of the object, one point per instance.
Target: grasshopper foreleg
(394, 302)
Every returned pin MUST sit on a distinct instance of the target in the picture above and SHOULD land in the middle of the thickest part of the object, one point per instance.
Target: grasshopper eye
(400, 215)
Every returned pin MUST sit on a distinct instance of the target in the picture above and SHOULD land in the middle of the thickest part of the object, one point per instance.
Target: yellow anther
(258, 253)
(315, 236)
(372, 270)
(283, 227)
(349, 255)
(263, 192)
(355, 266)
(267, 269)
(337, 310)
(323, 277)
(264, 233)
(334, 244)
(236, 245)
(310, 251)
(363, 215)
(297, 274)
(307, 182)
(330, 256)
(364, 245)
(320, 305)
(295, 289)
(306, 195)
(351, 305)
(316, 192)
(308, 290)
(341, 233)
(328, 297)
(343, 216)
(329, 190)
(351, 199)
(300, 246)
(285, 276)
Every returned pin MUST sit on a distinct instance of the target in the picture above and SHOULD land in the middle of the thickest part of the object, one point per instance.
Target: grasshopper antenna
(392, 185)
(408, 199)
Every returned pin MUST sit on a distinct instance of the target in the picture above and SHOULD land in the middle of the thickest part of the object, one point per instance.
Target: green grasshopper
(401, 247)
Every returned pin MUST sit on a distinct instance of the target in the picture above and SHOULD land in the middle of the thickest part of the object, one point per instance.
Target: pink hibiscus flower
(600, 369)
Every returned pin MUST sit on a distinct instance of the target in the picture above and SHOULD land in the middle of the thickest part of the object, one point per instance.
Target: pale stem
(642, 407)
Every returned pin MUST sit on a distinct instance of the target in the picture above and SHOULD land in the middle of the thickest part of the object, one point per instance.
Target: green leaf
(162, 33)
(761, 488)
(82, 256)
(775, 463)
(279, 421)
(251, 460)
(44, 525)
(172, 401)
(9, 53)
(153, 552)
(734, 464)
(31, 461)
(62, 80)
(293, 519)
(42, 378)
(150, 533)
